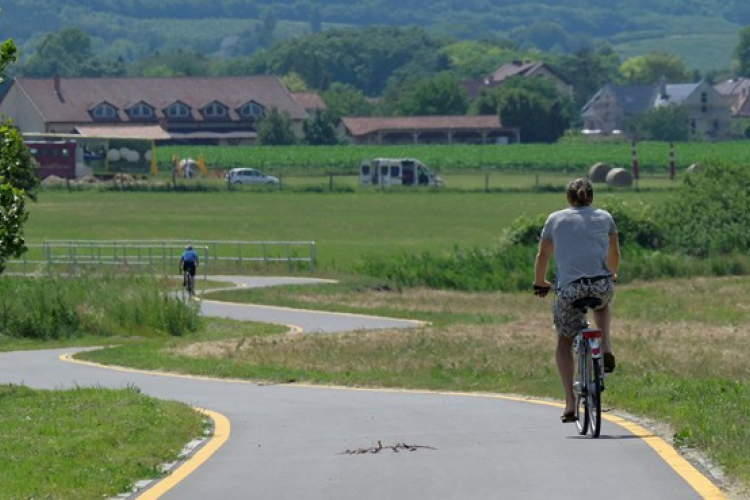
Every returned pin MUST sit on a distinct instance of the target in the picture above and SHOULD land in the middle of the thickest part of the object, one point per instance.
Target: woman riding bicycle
(188, 263)
(585, 245)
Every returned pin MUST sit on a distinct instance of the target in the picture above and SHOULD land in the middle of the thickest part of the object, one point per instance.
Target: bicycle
(189, 282)
(589, 382)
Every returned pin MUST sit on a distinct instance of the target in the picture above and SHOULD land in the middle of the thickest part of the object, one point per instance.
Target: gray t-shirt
(581, 239)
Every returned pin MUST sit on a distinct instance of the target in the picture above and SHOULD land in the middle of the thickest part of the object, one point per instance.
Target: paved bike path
(292, 442)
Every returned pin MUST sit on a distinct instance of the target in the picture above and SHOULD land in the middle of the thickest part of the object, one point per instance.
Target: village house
(187, 110)
(612, 108)
(523, 69)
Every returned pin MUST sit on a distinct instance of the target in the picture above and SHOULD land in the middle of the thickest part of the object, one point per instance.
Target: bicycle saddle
(587, 303)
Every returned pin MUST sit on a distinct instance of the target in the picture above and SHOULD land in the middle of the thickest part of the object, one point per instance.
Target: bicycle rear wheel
(595, 397)
(580, 387)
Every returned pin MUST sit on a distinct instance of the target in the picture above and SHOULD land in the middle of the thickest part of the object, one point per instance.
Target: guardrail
(166, 253)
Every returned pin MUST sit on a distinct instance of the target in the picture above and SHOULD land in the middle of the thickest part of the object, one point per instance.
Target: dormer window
(141, 111)
(215, 110)
(252, 110)
(177, 110)
(104, 111)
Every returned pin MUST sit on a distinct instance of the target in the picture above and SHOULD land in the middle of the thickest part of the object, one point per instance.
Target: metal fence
(165, 254)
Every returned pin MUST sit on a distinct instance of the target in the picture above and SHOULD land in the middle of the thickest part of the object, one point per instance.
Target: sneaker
(609, 362)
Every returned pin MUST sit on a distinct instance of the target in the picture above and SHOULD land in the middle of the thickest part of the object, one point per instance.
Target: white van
(397, 172)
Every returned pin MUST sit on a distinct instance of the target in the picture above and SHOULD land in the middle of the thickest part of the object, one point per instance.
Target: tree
(588, 70)
(433, 95)
(69, 53)
(652, 67)
(665, 123)
(534, 105)
(742, 52)
(276, 129)
(320, 129)
(17, 178)
(345, 100)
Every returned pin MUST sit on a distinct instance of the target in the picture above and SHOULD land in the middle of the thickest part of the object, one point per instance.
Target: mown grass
(345, 226)
(87, 443)
(682, 348)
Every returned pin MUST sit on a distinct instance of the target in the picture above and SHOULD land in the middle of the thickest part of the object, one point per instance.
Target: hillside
(703, 32)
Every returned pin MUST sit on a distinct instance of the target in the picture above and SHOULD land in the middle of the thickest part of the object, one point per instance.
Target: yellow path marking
(222, 430)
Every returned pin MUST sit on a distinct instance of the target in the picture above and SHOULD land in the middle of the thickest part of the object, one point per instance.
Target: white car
(249, 176)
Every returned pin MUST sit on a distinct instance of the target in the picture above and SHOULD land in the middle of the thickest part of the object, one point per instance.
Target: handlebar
(541, 291)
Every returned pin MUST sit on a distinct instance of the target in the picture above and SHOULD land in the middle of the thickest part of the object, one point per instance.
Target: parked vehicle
(397, 172)
(249, 176)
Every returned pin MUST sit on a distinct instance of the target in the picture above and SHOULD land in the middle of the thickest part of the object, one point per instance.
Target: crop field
(570, 155)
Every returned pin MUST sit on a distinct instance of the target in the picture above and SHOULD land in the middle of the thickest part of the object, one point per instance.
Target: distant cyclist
(584, 243)
(188, 263)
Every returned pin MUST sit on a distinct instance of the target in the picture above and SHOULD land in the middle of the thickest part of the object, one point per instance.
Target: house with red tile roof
(524, 69)
(198, 110)
(483, 129)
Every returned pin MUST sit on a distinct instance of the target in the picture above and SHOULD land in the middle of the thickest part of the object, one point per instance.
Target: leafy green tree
(588, 70)
(276, 129)
(173, 63)
(320, 129)
(665, 123)
(364, 58)
(17, 178)
(742, 52)
(534, 105)
(69, 53)
(652, 67)
(477, 59)
(345, 100)
(433, 95)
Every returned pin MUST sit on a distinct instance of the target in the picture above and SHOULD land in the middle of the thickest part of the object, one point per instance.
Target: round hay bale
(598, 172)
(124, 152)
(147, 155)
(619, 177)
(114, 155)
(695, 167)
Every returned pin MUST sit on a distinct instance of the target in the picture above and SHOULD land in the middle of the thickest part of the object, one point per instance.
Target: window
(105, 111)
(178, 110)
(215, 110)
(704, 97)
(141, 110)
(252, 110)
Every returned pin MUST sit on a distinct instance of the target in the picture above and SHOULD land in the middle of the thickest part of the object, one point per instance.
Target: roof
(359, 126)
(309, 100)
(675, 93)
(154, 132)
(635, 98)
(523, 68)
(77, 96)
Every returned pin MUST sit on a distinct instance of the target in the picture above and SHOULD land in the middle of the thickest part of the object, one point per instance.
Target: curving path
(294, 442)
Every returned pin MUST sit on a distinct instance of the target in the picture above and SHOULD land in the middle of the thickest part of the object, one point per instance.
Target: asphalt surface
(295, 442)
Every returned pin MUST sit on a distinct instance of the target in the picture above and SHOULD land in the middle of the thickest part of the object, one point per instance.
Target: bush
(57, 307)
(710, 213)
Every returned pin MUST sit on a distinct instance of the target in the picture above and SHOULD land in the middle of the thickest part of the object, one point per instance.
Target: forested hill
(703, 32)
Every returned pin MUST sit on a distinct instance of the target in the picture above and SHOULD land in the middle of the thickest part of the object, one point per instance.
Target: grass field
(345, 226)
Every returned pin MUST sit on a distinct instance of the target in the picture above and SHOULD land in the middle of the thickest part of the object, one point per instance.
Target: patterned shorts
(568, 320)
